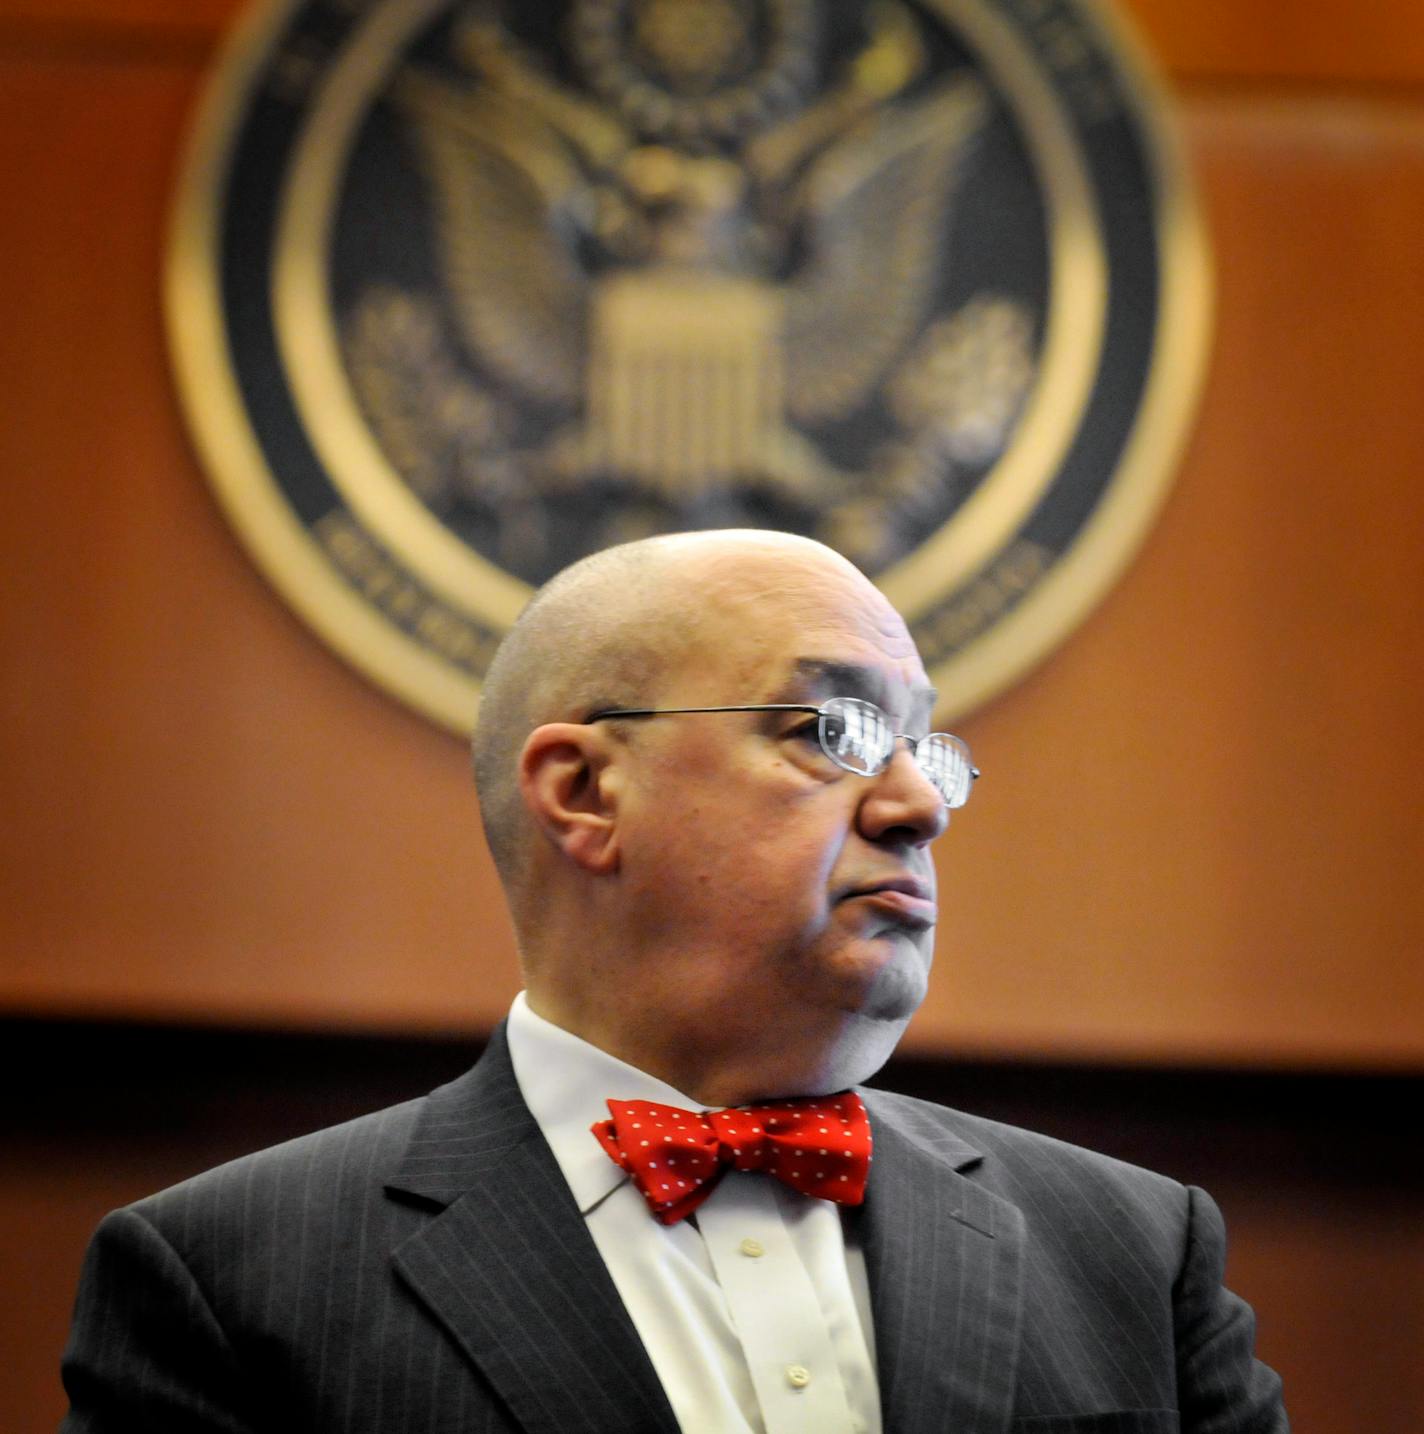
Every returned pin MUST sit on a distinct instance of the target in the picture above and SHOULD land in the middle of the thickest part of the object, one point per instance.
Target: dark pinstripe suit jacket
(425, 1268)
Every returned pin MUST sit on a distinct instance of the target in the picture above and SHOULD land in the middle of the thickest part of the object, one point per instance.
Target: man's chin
(892, 976)
(878, 1011)
(895, 995)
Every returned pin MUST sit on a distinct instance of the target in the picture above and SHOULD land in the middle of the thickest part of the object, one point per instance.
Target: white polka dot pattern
(817, 1145)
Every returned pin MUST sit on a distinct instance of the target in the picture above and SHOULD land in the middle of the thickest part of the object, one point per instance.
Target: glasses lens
(856, 735)
(945, 761)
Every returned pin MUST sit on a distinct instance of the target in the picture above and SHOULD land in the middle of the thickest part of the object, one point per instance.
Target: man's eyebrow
(850, 679)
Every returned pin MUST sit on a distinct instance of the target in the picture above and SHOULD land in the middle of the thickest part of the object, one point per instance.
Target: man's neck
(696, 1062)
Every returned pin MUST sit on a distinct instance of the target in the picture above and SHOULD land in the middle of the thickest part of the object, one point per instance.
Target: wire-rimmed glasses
(858, 737)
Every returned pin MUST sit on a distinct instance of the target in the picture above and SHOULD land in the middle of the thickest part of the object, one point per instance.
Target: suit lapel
(944, 1258)
(510, 1270)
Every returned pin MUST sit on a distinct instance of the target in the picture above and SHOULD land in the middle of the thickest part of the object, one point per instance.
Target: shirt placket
(775, 1310)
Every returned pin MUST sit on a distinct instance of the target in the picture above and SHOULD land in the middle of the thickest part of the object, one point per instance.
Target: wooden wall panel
(206, 814)
(1207, 804)
(1372, 42)
(143, 20)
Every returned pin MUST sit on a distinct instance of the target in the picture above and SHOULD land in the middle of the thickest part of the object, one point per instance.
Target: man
(715, 849)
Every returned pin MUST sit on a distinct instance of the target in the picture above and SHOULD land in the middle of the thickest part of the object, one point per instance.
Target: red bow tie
(819, 1145)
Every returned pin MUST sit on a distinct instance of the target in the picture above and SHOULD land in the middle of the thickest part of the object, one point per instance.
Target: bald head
(609, 631)
(772, 908)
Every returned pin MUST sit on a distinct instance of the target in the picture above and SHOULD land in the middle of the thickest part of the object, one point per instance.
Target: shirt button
(753, 1249)
(798, 1376)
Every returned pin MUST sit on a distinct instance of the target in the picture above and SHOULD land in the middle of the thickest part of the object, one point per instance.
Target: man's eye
(808, 731)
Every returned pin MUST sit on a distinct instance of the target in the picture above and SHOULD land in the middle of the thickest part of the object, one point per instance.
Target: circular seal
(460, 292)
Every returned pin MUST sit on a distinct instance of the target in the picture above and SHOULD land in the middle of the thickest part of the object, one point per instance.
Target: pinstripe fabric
(425, 1269)
(421, 1269)
(1071, 1293)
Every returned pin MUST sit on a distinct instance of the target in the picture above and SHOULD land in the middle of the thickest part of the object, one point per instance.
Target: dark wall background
(242, 893)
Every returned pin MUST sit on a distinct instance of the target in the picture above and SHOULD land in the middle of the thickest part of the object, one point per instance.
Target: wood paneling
(141, 19)
(206, 814)
(1369, 42)
(1202, 822)
(1372, 42)
(1200, 830)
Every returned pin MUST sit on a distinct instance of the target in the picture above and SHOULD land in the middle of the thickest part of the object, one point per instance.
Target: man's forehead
(821, 677)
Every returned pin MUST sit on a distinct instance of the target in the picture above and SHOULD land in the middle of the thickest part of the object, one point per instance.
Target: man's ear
(566, 780)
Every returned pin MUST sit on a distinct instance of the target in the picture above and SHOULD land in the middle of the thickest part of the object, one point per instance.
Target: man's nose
(903, 800)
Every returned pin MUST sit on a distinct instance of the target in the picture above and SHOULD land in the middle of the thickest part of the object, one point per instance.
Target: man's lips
(906, 898)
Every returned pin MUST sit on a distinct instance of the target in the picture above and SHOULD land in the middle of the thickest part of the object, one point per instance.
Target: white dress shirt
(755, 1311)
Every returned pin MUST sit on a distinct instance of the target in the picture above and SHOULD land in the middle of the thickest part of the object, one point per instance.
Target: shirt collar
(566, 1082)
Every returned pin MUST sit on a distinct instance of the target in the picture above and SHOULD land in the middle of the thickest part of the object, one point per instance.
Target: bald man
(706, 775)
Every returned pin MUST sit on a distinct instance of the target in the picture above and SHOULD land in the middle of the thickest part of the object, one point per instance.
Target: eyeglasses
(858, 737)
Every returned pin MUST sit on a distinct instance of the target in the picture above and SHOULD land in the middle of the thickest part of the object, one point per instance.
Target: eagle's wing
(507, 194)
(874, 208)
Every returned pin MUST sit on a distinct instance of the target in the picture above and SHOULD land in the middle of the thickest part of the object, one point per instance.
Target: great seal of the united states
(459, 292)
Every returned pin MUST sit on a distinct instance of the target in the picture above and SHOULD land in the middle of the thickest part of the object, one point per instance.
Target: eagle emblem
(463, 290)
(697, 300)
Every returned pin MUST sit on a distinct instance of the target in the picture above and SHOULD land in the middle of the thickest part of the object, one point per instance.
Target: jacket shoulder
(1019, 1163)
(341, 1167)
